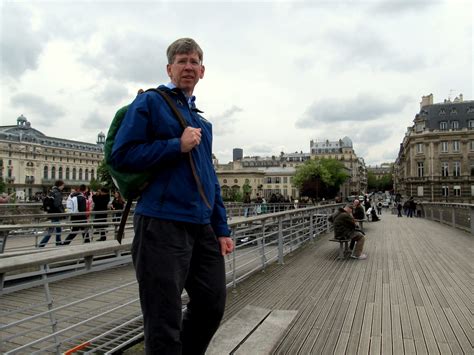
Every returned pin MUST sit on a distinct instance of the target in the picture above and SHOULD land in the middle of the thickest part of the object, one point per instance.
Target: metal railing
(457, 215)
(107, 318)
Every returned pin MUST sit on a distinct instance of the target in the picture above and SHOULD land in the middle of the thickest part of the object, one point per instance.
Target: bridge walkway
(414, 293)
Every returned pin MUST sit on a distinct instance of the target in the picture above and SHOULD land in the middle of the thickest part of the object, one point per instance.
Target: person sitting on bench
(358, 210)
(345, 228)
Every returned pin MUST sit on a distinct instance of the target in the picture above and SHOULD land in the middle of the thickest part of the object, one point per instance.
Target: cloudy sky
(278, 73)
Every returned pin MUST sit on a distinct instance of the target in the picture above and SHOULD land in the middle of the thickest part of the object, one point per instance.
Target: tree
(320, 178)
(372, 183)
(2, 185)
(104, 177)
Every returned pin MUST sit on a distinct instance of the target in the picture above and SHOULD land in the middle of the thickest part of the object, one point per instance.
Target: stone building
(31, 162)
(274, 174)
(343, 151)
(436, 157)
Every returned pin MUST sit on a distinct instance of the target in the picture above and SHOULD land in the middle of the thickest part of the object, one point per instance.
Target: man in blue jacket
(181, 231)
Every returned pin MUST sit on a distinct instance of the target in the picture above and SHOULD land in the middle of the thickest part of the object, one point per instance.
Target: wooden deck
(413, 295)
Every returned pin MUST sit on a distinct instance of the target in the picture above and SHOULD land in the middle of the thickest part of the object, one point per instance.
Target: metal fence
(77, 315)
(457, 215)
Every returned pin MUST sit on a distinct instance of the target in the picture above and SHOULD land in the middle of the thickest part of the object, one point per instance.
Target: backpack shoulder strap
(183, 123)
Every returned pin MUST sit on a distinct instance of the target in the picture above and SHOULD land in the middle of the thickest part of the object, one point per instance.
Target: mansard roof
(448, 111)
(23, 132)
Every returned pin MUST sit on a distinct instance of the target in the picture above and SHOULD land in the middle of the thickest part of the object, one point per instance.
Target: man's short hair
(82, 188)
(183, 46)
(59, 183)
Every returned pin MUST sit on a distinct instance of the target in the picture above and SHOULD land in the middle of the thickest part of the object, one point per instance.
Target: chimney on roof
(426, 100)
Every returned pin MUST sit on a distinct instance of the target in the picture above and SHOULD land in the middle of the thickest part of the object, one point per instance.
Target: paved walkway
(414, 293)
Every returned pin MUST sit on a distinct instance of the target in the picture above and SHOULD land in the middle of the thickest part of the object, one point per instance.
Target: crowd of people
(84, 206)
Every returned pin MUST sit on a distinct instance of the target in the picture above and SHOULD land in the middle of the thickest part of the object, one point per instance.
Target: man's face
(185, 71)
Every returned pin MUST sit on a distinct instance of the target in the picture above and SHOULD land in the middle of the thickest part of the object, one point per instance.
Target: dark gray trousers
(169, 256)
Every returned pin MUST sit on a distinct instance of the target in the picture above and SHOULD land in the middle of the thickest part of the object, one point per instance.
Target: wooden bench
(253, 330)
(344, 251)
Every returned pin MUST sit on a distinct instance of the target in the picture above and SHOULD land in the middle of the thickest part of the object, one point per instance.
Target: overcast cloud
(278, 73)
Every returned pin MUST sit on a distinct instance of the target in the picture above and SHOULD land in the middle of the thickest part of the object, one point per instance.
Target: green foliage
(2, 185)
(104, 177)
(320, 178)
(95, 185)
(385, 183)
(234, 195)
(246, 188)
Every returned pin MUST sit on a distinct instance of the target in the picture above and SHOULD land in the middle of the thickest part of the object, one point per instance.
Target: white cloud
(278, 73)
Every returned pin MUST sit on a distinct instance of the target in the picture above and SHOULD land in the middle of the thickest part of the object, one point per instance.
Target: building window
(53, 172)
(470, 109)
(224, 181)
(80, 173)
(444, 168)
(457, 168)
(285, 180)
(444, 147)
(92, 175)
(443, 126)
(455, 125)
(45, 172)
(472, 168)
(445, 191)
(470, 124)
(74, 174)
(455, 146)
(442, 112)
(457, 190)
(472, 190)
(420, 191)
(60, 173)
(67, 174)
(454, 111)
(87, 175)
(419, 148)
(277, 180)
(420, 169)
(236, 181)
(471, 145)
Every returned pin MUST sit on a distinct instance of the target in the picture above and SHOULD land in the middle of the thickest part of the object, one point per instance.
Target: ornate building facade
(436, 157)
(30, 161)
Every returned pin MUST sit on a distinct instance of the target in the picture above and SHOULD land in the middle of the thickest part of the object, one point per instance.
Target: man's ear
(203, 69)
(168, 69)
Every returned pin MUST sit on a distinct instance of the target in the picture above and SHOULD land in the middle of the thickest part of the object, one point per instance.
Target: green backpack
(128, 183)
(131, 184)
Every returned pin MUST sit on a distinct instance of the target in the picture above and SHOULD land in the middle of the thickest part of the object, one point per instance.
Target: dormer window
(454, 111)
(470, 109)
(443, 126)
(442, 111)
(470, 124)
(455, 125)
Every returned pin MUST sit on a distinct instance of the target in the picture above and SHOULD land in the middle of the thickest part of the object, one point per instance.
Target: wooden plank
(236, 329)
(267, 335)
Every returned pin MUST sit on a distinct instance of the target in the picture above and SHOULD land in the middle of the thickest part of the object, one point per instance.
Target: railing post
(262, 246)
(453, 217)
(49, 301)
(234, 239)
(280, 240)
(471, 217)
(311, 227)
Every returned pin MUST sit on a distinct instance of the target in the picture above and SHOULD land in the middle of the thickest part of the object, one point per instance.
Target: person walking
(55, 206)
(180, 223)
(101, 201)
(77, 206)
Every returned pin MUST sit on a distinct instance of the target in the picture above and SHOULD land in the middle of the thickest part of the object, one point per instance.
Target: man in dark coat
(345, 228)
